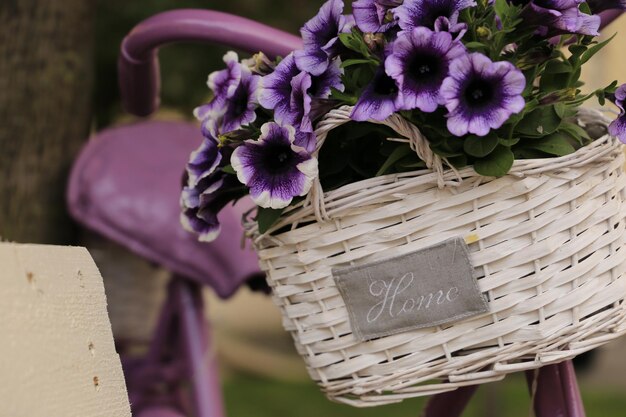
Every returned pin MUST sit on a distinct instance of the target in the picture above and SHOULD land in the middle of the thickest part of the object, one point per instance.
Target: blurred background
(58, 84)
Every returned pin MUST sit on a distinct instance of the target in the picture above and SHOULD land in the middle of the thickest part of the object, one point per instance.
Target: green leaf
(602, 93)
(576, 50)
(397, 154)
(348, 40)
(476, 46)
(540, 122)
(589, 53)
(530, 75)
(341, 96)
(480, 146)
(229, 169)
(575, 131)
(350, 62)
(557, 75)
(551, 82)
(508, 141)
(557, 67)
(496, 164)
(503, 9)
(354, 41)
(557, 144)
(266, 217)
(584, 7)
(560, 109)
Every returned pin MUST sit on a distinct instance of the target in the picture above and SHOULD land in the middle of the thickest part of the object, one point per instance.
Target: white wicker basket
(547, 242)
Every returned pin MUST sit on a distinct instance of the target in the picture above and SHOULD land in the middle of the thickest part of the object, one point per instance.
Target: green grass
(249, 396)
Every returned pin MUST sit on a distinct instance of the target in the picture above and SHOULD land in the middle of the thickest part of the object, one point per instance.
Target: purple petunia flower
(320, 36)
(204, 160)
(288, 91)
(299, 104)
(200, 206)
(419, 63)
(617, 127)
(240, 107)
(203, 195)
(553, 17)
(380, 99)
(223, 85)
(276, 87)
(414, 13)
(374, 16)
(274, 168)
(480, 94)
(442, 24)
(306, 140)
(322, 85)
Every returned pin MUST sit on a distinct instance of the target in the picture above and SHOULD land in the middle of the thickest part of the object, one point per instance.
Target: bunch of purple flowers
(486, 81)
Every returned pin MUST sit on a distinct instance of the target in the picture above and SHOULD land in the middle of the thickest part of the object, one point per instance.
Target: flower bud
(374, 41)
(259, 63)
(483, 32)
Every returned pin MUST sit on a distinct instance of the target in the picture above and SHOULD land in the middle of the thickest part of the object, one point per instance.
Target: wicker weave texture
(547, 242)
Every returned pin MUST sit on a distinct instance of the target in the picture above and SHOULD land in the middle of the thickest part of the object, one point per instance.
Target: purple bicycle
(125, 186)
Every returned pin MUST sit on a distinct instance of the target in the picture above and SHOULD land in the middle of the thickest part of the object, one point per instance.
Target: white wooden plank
(57, 357)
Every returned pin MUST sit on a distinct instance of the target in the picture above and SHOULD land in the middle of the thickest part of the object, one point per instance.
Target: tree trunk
(46, 75)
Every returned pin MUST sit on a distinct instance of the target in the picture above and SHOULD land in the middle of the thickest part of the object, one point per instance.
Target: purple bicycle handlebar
(138, 65)
(608, 16)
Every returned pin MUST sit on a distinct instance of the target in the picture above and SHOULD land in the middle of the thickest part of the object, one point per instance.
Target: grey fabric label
(432, 286)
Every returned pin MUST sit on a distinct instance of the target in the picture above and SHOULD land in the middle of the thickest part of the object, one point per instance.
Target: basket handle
(409, 134)
(138, 65)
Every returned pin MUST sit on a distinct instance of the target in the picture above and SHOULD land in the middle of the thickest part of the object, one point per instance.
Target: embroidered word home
(424, 288)
(394, 300)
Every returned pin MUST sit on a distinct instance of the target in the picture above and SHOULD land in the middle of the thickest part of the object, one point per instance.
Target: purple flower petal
(223, 85)
(414, 13)
(273, 167)
(205, 190)
(300, 102)
(306, 140)
(372, 15)
(295, 111)
(200, 205)
(442, 24)
(419, 62)
(481, 95)
(204, 160)
(241, 106)
(322, 84)
(620, 96)
(289, 91)
(207, 227)
(380, 99)
(554, 17)
(276, 87)
(617, 128)
(313, 61)
(320, 37)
